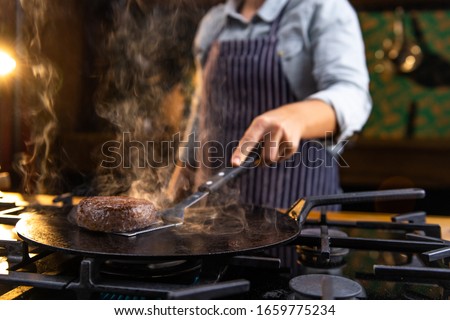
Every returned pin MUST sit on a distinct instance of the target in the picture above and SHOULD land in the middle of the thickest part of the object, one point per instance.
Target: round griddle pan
(205, 232)
(233, 229)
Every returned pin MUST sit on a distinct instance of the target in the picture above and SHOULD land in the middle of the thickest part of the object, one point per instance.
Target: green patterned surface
(394, 93)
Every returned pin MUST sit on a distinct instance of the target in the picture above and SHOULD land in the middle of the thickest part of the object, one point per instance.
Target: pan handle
(302, 207)
(225, 175)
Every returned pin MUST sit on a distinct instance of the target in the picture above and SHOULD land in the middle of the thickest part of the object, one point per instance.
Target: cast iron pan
(205, 232)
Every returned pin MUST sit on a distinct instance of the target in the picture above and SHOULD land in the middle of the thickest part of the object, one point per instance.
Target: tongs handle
(225, 175)
(302, 207)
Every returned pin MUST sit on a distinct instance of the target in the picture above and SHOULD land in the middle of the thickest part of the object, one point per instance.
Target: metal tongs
(175, 215)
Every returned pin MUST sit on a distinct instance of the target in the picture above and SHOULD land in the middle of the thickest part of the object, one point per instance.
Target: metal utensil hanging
(401, 53)
(405, 53)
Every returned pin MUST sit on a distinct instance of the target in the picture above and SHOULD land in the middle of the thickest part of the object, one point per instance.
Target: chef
(288, 73)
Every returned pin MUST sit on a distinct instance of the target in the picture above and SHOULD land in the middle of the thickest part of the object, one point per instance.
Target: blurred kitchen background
(406, 142)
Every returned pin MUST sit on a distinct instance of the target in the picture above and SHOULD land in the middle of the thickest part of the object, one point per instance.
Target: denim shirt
(320, 45)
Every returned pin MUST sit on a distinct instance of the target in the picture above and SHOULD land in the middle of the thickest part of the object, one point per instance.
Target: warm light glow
(7, 64)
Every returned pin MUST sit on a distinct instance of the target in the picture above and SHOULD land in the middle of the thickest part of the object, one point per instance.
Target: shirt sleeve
(339, 64)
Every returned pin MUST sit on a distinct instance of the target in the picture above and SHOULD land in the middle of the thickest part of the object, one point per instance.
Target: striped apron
(243, 79)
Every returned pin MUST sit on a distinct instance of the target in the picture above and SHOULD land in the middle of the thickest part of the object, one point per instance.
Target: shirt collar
(268, 12)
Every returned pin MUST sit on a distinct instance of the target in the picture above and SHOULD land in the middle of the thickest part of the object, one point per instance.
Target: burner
(180, 271)
(328, 287)
(406, 258)
(311, 256)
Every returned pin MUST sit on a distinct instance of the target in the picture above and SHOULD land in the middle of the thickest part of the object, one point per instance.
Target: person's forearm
(315, 117)
(281, 129)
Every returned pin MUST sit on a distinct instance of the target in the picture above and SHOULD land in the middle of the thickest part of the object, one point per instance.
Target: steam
(42, 81)
(149, 62)
(218, 220)
(145, 70)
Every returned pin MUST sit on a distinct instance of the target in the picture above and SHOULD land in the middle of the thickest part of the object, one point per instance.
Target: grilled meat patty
(115, 213)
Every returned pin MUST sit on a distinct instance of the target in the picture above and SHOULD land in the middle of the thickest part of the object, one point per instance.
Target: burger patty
(115, 214)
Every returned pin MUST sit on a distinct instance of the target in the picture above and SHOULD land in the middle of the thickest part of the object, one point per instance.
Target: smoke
(42, 81)
(143, 90)
(143, 70)
(217, 220)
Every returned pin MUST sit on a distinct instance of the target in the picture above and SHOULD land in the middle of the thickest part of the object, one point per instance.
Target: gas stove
(404, 258)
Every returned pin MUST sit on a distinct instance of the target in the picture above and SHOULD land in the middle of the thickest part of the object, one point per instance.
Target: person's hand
(281, 130)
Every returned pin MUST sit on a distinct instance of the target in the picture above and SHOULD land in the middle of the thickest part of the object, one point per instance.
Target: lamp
(7, 63)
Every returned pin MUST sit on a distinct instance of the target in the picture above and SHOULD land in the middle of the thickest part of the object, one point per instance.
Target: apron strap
(276, 23)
